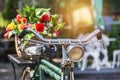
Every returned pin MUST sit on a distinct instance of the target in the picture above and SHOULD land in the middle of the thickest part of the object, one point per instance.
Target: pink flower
(30, 25)
(45, 18)
(23, 26)
(56, 33)
(40, 27)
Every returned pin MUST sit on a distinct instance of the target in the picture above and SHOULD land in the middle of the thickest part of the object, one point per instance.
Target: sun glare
(82, 16)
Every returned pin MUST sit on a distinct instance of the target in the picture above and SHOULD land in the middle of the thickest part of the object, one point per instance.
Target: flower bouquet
(38, 19)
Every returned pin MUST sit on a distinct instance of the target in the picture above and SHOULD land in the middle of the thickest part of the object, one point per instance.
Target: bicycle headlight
(75, 52)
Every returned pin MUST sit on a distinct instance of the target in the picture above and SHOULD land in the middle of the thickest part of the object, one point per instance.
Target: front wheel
(26, 74)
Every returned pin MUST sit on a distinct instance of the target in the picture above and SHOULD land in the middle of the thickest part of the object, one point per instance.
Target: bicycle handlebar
(96, 32)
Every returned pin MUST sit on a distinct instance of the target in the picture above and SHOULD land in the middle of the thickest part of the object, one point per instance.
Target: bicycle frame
(55, 72)
(66, 72)
(45, 66)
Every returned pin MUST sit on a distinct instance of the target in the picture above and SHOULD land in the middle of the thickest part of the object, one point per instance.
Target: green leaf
(58, 26)
(54, 17)
(19, 11)
(40, 11)
(27, 37)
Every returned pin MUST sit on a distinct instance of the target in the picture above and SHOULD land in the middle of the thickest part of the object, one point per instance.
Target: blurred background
(78, 16)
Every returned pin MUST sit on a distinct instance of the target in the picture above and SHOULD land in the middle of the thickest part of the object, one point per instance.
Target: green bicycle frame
(49, 68)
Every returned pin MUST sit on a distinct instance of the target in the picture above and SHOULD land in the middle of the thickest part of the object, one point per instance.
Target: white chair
(90, 50)
(94, 50)
(116, 58)
(104, 51)
(95, 55)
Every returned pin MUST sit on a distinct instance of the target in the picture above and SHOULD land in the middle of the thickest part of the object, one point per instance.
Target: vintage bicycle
(38, 50)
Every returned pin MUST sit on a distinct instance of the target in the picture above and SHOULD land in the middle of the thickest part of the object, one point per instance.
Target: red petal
(8, 29)
(40, 27)
(24, 20)
(5, 35)
(45, 18)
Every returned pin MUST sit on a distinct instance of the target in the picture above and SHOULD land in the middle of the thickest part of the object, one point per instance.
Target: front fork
(67, 71)
(72, 72)
(67, 66)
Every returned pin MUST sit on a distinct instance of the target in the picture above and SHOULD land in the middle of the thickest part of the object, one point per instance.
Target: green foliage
(116, 3)
(29, 13)
(9, 11)
(115, 33)
(3, 22)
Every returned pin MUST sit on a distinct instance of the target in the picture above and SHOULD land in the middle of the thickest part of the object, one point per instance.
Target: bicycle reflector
(75, 52)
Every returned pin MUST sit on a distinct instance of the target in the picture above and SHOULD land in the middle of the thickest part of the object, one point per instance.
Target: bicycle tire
(26, 74)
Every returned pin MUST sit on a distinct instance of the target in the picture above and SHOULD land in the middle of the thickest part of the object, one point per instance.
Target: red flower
(6, 35)
(40, 27)
(45, 18)
(24, 20)
(18, 17)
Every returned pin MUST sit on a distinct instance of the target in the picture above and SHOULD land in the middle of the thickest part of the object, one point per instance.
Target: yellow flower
(11, 26)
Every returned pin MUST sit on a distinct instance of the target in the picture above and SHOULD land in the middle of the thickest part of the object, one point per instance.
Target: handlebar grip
(23, 33)
(99, 36)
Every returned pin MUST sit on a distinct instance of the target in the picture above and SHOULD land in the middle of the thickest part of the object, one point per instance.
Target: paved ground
(6, 73)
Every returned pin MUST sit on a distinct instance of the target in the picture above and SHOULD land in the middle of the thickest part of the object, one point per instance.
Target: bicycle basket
(23, 52)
